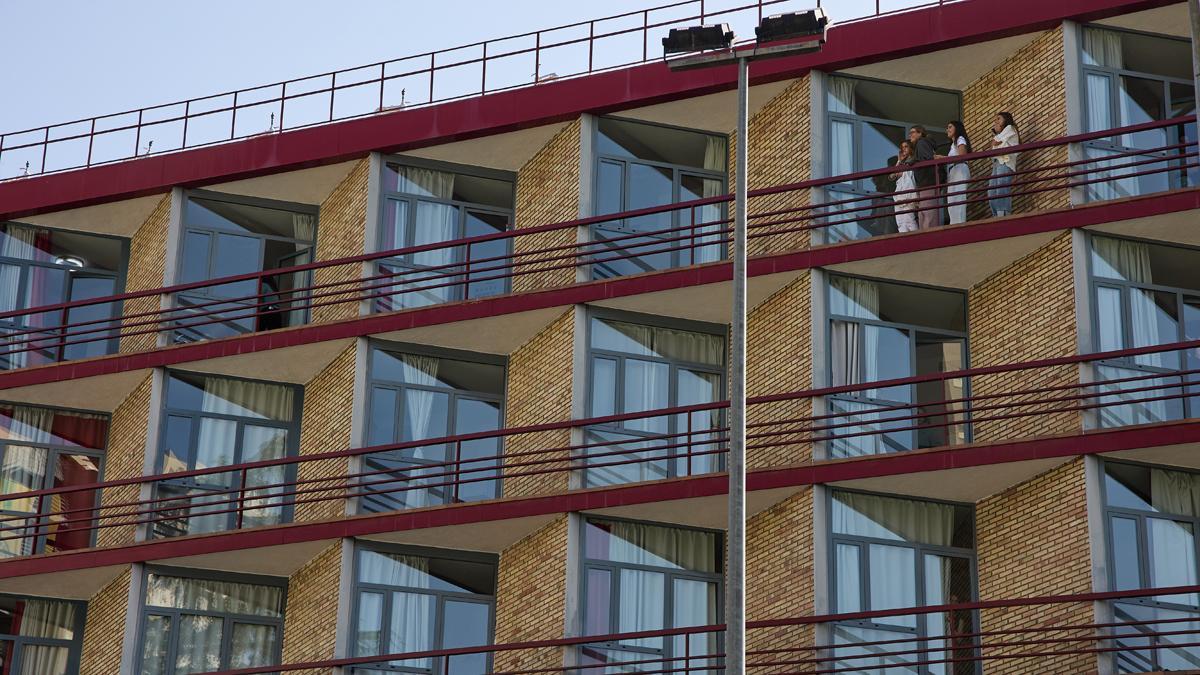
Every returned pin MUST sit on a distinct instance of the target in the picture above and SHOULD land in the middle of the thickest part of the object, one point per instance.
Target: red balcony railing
(1060, 396)
(1051, 634)
(783, 218)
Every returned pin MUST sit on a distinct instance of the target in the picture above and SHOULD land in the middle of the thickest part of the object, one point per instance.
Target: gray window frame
(54, 451)
(227, 618)
(166, 413)
(919, 551)
(440, 598)
(593, 353)
(669, 576)
(618, 228)
(74, 645)
(457, 291)
(441, 353)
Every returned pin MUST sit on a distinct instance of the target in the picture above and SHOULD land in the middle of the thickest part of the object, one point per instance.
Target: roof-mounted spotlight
(697, 39)
(792, 25)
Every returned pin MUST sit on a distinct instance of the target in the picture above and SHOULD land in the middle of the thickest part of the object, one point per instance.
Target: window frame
(227, 618)
(191, 483)
(440, 597)
(74, 646)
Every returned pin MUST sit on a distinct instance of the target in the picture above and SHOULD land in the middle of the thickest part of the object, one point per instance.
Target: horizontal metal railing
(783, 218)
(998, 403)
(1049, 634)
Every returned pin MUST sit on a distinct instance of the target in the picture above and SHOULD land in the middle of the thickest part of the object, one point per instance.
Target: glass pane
(604, 387)
(431, 371)
(22, 469)
(369, 628)
(704, 223)
(73, 471)
(1140, 100)
(1125, 546)
(892, 656)
(880, 146)
(216, 444)
(941, 423)
(1172, 552)
(490, 262)
(1109, 316)
(1138, 398)
(264, 506)
(466, 624)
(650, 186)
(381, 424)
(893, 581)
(44, 660)
(694, 604)
(640, 602)
(1099, 102)
(438, 574)
(228, 396)
(1127, 486)
(647, 387)
(156, 636)
(887, 356)
(412, 627)
(1154, 320)
(848, 573)
(476, 416)
(635, 140)
(654, 545)
(395, 225)
(253, 645)
(860, 428)
(1150, 621)
(598, 602)
(666, 343)
(236, 255)
(194, 266)
(247, 219)
(199, 644)
(695, 388)
(909, 520)
(610, 188)
(841, 161)
(90, 288)
(436, 223)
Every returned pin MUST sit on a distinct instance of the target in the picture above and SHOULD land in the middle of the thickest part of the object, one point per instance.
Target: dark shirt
(925, 176)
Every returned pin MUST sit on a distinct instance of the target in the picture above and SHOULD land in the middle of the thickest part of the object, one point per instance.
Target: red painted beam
(887, 37)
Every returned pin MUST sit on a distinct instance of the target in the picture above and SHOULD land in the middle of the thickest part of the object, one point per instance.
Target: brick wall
(778, 334)
(548, 192)
(1024, 312)
(104, 629)
(1031, 84)
(325, 427)
(125, 458)
(310, 625)
(1032, 540)
(147, 257)
(780, 153)
(539, 391)
(340, 232)
(779, 573)
(531, 589)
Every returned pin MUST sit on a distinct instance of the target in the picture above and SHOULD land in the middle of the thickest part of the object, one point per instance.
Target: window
(636, 368)
(642, 165)
(218, 421)
(40, 636)
(883, 331)
(1145, 294)
(423, 206)
(867, 121)
(1152, 516)
(201, 623)
(645, 577)
(413, 601)
(43, 448)
(224, 235)
(39, 267)
(416, 396)
(890, 553)
(1132, 78)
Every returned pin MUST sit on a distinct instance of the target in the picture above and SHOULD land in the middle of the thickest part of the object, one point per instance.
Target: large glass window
(867, 121)
(642, 165)
(415, 601)
(1132, 78)
(424, 206)
(223, 236)
(637, 368)
(883, 331)
(217, 421)
(643, 577)
(1152, 517)
(415, 396)
(39, 267)
(40, 449)
(890, 553)
(200, 623)
(40, 636)
(1145, 294)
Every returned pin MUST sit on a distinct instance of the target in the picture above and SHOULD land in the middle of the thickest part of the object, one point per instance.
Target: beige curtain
(907, 520)
(260, 400)
(209, 595)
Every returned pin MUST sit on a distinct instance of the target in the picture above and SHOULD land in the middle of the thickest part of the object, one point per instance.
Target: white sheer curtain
(668, 343)
(252, 645)
(841, 100)
(640, 605)
(208, 595)
(716, 151)
(224, 396)
(909, 520)
(893, 581)
(418, 411)
(677, 548)
(841, 94)
(46, 619)
(16, 242)
(304, 226)
(1102, 48)
(859, 298)
(1175, 492)
(412, 622)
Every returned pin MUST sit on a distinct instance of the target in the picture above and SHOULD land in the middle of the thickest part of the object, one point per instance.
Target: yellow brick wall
(780, 152)
(547, 192)
(779, 338)
(325, 427)
(147, 256)
(1031, 84)
(125, 458)
(779, 573)
(531, 588)
(340, 232)
(104, 628)
(310, 624)
(1032, 540)
(1024, 312)
(539, 391)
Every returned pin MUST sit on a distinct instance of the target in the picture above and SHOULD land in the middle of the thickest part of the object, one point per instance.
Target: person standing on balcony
(928, 213)
(1004, 128)
(906, 217)
(958, 174)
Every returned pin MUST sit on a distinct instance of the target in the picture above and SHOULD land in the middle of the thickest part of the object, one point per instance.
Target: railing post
(537, 56)
(332, 94)
(483, 75)
(187, 111)
(467, 274)
(92, 139)
(45, 149)
(382, 83)
(645, 34)
(283, 103)
(591, 44)
(137, 138)
(233, 118)
(432, 72)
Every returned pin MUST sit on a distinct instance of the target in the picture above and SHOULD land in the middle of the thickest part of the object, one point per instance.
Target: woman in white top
(1003, 166)
(958, 174)
(905, 196)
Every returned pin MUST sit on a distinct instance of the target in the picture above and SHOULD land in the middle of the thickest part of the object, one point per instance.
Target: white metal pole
(735, 576)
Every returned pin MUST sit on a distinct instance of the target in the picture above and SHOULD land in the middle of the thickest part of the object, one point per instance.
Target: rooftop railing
(782, 219)
(512, 62)
(1061, 396)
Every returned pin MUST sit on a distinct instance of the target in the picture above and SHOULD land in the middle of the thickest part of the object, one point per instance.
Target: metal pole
(1194, 11)
(735, 575)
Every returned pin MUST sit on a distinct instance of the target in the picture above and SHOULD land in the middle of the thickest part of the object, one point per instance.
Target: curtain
(32, 425)
(841, 95)
(1130, 260)
(304, 226)
(48, 619)
(640, 605)
(208, 595)
(893, 581)
(716, 152)
(198, 646)
(412, 613)
(252, 645)
(1102, 48)
(667, 343)
(841, 101)
(400, 571)
(909, 520)
(44, 660)
(694, 604)
(419, 370)
(425, 182)
(260, 400)
(1108, 311)
(1172, 556)
(1175, 492)
(16, 242)
(646, 388)
(857, 298)
(640, 544)
(848, 572)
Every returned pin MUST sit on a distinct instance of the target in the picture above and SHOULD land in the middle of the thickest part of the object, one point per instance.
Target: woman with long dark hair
(1000, 193)
(958, 173)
